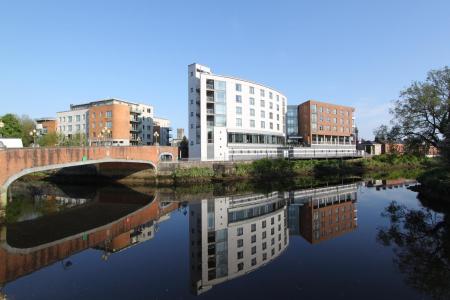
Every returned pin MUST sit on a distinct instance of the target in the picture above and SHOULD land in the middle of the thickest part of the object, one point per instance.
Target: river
(347, 240)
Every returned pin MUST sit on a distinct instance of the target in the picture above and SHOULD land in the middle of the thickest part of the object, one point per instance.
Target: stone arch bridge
(15, 163)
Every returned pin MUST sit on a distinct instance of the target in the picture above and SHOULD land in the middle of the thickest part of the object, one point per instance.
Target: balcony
(210, 99)
(210, 123)
(210, 86)
(135, 129)
(134, 110)
(210, 111)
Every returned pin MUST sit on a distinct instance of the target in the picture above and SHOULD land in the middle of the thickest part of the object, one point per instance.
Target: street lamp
(156, 135)
(106, 133)
(34, 134)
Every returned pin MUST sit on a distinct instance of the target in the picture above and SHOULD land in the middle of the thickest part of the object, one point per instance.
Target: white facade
(143, 115)
(232, 236)
(164, 130)
(231, 118)
(72, 122)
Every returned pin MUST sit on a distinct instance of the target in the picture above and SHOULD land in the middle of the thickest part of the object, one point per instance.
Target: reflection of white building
(231, 236)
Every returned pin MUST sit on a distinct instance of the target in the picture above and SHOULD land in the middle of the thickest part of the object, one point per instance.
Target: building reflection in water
(232, 236)
(323, 213)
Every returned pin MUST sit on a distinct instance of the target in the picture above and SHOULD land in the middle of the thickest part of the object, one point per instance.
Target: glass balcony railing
(210, 111)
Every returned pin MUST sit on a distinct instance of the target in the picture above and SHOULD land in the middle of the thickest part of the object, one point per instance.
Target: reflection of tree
(421, 241)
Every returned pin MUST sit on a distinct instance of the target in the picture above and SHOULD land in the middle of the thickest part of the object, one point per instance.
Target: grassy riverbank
(436, 182)
(266, 169)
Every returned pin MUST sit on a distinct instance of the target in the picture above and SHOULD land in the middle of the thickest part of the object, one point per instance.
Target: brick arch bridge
(15, 163)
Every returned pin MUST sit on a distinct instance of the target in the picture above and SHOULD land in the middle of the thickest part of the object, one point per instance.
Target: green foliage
(423, 109)
(12, 127)
(27, 125)
(436, 181)
(48, 140)
(193, 172)
(242, 169)
(77, 139)
(271, 168)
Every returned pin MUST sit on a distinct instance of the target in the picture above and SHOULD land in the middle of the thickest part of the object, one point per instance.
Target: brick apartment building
(46, 125)
(114, 121)
(321, 123)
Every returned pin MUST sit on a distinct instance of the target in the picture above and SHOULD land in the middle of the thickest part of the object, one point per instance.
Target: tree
(422, 110)
(12, 127)
(49, 139)
(27, 125)
(184, 147)
(381, 134)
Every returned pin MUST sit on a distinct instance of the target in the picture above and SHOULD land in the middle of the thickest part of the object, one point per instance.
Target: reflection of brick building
(323, 213)
(320, 222)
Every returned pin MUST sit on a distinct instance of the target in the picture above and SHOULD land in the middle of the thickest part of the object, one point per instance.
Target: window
(278, 126)
(263, 103)
(334, 111)
(238, 110)
(272, 241)
(240, 231)
(109, 124)
(271, 125)
(192, 113)
(334, 120)
(264, 235)
(253, 249)
(253, 227)
(272, 220)
(263, 124)
(264, 246)
(192, 90)
(78, 118)
(240, 255)
(278, 107)
(251, 90)
(262, 93)
(264, 224)
(240, 266)
(240, 243)
(70, 127)
(70, 119)
(264, 256)
(109, 114)
(270, 115)
(272, 231)
(270, 105)
(78, 127)
(270, 95)
(278, 117)
(253, 239)
(252, 101)
(254, 261)
(238, 87)
(238, 99)
(238, 122)
(252, 112)
(252, 123)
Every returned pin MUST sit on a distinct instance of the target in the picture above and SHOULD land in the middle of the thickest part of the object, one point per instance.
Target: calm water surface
(349, 241)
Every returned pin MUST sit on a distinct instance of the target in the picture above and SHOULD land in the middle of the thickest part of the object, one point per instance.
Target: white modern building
(74, 121)
(232, 236)
(232, 118)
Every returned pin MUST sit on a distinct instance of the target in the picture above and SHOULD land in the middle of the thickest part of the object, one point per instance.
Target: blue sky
(359, 53)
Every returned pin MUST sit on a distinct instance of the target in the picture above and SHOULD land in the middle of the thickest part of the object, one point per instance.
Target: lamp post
(156, 135)
(106, 134)
(33, 133)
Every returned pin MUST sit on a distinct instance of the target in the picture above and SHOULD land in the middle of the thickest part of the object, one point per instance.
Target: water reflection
(229, 235)
(111, 219)
(421, 242)
(232, 236)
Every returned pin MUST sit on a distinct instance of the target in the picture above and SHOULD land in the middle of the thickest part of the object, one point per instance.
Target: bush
(268, 168)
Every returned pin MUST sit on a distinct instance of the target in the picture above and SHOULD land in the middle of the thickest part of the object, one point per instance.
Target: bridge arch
(19, 162)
